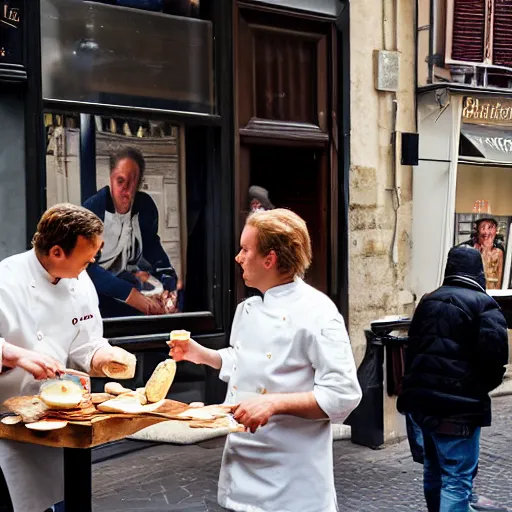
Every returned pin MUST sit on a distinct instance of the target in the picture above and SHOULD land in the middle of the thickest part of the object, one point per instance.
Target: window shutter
(502, 33)
(469, 29)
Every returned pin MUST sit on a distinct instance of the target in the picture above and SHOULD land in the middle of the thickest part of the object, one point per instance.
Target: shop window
(101, 54)
(484, 218)
(154, 226)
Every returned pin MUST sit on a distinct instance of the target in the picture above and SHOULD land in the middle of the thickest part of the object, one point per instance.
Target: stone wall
(380, 233)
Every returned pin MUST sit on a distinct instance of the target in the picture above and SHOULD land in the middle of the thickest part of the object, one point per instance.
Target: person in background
(478, 503)
(132, 260)
(49, 305)
(456, 355)
(258, 199)
(290, 374)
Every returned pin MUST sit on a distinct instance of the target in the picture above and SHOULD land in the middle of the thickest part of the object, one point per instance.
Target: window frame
(219, 129)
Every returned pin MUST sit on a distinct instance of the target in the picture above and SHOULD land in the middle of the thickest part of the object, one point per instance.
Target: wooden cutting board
(100, 429)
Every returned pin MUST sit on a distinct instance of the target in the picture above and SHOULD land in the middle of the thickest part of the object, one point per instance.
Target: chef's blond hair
(62, 224)
(285, 233)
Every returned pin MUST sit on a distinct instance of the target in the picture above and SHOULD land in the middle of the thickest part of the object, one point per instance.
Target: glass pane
(483, 217)
(286, 72)
(175, 7)
(148, 220)
(97, 53)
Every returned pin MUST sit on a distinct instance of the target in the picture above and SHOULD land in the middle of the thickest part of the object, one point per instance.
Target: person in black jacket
(456, 355)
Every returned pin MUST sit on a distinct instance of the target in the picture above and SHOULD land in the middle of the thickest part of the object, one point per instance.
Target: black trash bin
(367, 421)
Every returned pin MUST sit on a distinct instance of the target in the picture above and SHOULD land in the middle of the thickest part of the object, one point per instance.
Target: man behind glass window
(133, 256)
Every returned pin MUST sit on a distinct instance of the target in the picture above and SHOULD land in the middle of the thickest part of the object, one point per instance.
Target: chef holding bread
(49, 305)
(290, 374)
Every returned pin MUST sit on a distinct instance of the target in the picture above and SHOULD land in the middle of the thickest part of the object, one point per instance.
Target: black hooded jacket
(458, 347)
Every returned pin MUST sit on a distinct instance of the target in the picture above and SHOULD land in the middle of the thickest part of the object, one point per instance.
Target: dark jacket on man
(458, 348)
(106, 282)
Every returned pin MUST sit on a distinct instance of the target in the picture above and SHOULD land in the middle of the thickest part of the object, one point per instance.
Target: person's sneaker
(483, 504)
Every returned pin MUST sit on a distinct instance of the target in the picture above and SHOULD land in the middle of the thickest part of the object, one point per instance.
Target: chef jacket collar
(40, 270)
(283, 289)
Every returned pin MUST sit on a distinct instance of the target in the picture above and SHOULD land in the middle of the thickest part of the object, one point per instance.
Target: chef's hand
(39, 365)
(186, 350)
(256, 412)
(146, 305)
(124, 363)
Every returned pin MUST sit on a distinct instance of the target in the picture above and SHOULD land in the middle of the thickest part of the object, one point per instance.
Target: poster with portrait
(135, 183)
(487, 234)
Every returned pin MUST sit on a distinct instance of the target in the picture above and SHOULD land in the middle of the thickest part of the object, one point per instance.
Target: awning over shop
(492, 143)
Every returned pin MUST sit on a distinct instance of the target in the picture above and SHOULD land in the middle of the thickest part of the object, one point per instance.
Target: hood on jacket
(466, 264)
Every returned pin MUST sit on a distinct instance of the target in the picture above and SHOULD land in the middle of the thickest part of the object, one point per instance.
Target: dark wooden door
(283, 139)
(296, 178)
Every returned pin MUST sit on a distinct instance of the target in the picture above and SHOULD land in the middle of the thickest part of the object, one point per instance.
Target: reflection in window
(141, 196)
(97, 53)
(188, 8)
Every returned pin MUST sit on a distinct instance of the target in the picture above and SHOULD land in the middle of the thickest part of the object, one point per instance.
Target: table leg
(78, 480)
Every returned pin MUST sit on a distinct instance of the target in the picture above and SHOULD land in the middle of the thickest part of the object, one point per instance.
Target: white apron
(62, 321)
(293, 341)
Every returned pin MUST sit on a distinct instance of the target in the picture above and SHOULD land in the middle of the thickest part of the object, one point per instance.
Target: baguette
(161, 380)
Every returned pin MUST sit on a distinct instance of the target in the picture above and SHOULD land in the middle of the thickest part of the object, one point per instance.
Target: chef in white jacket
(289, 369)
(48, 304)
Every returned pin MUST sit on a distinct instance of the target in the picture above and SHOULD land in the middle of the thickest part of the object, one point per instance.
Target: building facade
(462, 182)
(314, 101)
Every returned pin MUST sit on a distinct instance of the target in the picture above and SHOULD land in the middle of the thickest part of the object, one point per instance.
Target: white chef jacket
(294, 340)
(63, 321)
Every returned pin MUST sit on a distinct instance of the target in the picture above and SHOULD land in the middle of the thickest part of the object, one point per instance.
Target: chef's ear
(271, 259)
(56, 251)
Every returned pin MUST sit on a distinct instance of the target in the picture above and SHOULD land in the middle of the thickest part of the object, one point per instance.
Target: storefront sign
(487, 111)
(11, 32)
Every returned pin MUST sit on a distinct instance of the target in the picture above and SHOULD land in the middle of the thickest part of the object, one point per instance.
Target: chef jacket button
(284, 319)
(269, 355)
(40, 335)
(234, 367)
(33, 284)
(237, 345)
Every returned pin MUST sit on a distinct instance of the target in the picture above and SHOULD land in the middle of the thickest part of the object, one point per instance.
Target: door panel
(296, 178)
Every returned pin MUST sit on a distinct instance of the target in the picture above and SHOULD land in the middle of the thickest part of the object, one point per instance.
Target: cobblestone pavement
(184, 478)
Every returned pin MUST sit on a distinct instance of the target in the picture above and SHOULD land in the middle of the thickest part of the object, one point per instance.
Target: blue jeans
(450, 465)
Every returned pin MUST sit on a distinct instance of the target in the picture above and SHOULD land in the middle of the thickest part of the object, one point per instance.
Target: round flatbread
(46, 425)
(11, 420)
(62, 394)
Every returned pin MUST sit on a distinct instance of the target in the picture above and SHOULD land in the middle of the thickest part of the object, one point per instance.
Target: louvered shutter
(502, 33)
(468, 36)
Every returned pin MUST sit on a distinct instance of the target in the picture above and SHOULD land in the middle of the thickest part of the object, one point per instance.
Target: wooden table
(78, 438)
